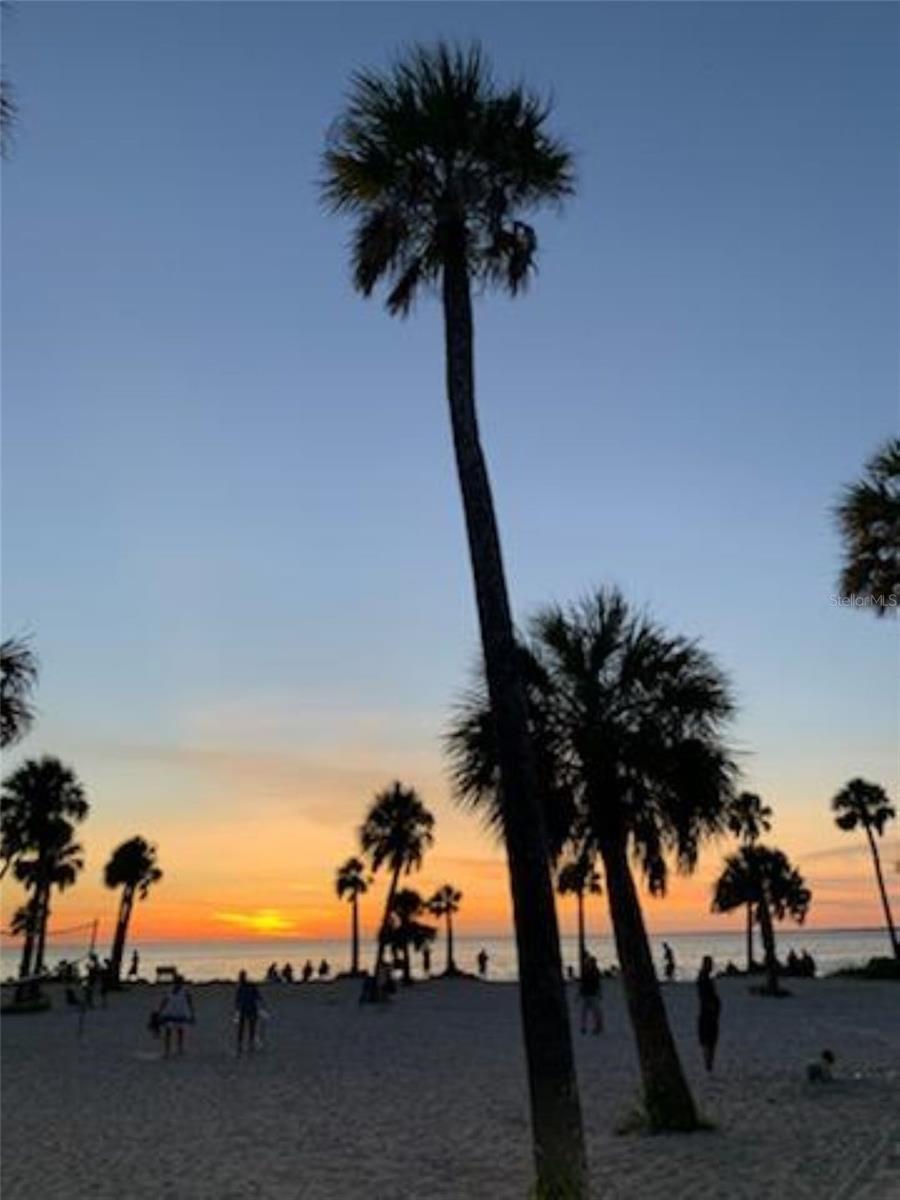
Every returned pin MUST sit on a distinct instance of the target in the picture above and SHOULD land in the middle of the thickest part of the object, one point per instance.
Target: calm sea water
(200, 961)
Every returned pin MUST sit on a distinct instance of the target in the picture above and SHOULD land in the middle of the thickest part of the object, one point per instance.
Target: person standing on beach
(482, 962)
(590, 987)
(176, 1011)
(668, 962)
(246, 1007)
(133, 969)
(710, 1008)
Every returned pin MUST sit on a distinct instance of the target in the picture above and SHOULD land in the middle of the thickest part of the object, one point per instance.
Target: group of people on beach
(286, 973)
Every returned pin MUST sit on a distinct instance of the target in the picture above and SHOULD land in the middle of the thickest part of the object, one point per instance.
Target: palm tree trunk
(28, 943)
(43, 922)
(451, 965)
(354, 936)
(767, 930)
(555, 1107)
(667, 1096)
(892, 932)
(382, 932)
(118, 946)
(582, 944)
(749, 938)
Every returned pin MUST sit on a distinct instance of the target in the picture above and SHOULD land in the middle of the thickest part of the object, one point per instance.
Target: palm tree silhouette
(868, 518)
(396, 833)
(579, 878)
(440, 167)
(350, 881)
(631, 718)
(405, 930)
(764, 878)
(41, 800)
(866, 805)
(132, 867)
(18, 675)
(748, 820)
(445, 903)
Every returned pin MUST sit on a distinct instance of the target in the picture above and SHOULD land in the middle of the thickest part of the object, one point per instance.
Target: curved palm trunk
(382, 932)
(767, 929)
(28, 943)
(667, 1097)
(555, 1107)
(451, 965)
(354, 936)
(749, 938)
(888, 919)
(43, 922)
(582, 944)
(118, 946)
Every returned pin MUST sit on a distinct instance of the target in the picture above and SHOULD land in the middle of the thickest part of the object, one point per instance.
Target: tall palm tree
(579, 878)
(441, 166)
(55, 861)
(41, 800)
(868, 517)
(866, 805)
(396, 833)
(445, 903)
(405, 930)
(766, 879)
(632, 719)
(18, 675)
(748, 820)
(351, 882)
(131, 867)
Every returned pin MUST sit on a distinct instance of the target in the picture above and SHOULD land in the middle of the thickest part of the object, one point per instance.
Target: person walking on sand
(590, 989)
(175, 1012)
(246, 1007)
(710, 1008)
(135, 961)
(668, 962)
(482, 962)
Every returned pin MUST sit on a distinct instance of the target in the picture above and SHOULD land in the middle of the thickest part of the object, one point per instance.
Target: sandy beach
(425, 1098)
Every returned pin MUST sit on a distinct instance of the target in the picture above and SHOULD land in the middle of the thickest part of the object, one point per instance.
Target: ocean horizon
(206, 960)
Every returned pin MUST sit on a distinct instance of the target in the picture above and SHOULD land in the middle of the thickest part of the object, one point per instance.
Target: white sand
(425, 1100)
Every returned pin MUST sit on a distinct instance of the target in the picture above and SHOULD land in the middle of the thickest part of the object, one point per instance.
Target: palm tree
(132, 867)
(579, 878)
(868, 517)
(55, 862)
(405, 930)
(396, 833)
(632, 720)
(748, 819)
(18, 675)
(440, 166)
(445, 903)
(41, 799)
(350, 881)
(867, 805)
(766, 879)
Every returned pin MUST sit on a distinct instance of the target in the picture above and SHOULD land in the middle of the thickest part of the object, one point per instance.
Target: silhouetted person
(668, 962)
(246, 1006)
(793, 963)
(324, 969)
(176, 1012)
(287, 973)
(710, 1007)
(482, 962)
(273, 975)
(106, 981)
(133, 969)
(308, 971)
(807, 965)
(426, 960)
(590, 988)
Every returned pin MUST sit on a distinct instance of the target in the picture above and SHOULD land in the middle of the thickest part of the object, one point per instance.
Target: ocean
(204, 961)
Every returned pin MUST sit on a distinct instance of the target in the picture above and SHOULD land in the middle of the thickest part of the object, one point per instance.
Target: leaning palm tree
(18, 675)
(766, 879)
(445, 903)
(131, 867)
(405, 930)
(748, 820)
(868, 517)
(56, 861)
(866, 805)
(579, 878)
(396, 833)
(632, 719)
(441, 166)
(351, 882)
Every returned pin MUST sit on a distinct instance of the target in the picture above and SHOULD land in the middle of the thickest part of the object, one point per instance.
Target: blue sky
(230, 510)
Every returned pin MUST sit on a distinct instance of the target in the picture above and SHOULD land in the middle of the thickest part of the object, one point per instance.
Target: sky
(230, 514)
